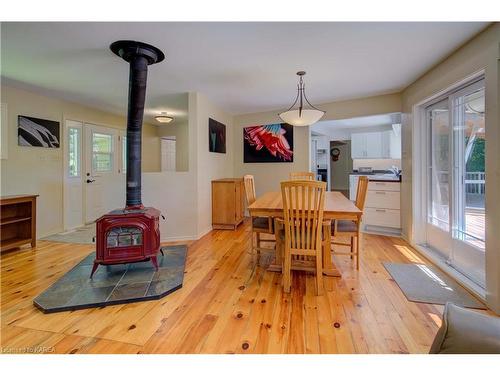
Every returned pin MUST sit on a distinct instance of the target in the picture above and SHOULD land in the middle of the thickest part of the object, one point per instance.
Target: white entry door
(102, 179)
(73, 179)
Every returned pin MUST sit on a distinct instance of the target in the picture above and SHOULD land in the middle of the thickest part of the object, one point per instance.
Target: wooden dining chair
(352, 228)
(259, 224)
(303, 204)
(302, 176)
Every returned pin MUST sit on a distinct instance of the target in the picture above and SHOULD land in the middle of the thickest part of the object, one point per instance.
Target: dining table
(337, 207)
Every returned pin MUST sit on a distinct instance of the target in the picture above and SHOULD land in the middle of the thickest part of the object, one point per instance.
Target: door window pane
(74, 150)
(469, 126)
(124, 154)
(438, 120)
(102, 152)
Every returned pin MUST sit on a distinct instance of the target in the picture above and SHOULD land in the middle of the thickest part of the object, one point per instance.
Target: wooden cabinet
(227, 203)
(17, 221)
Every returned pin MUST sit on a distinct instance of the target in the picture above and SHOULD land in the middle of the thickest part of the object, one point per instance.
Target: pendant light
(301, 116)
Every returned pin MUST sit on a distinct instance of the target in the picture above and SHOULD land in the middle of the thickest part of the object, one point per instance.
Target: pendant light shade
(301, 116)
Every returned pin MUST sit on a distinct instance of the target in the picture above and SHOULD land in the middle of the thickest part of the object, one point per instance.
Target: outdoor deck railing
(474, 182)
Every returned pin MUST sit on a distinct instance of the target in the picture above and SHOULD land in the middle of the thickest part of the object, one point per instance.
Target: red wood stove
(131, 234)
(125, 236)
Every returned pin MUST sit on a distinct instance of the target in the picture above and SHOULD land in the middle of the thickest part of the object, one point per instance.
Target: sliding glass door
(456, 180)
(439, 189)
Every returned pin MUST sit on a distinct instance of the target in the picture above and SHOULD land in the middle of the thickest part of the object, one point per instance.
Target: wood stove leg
(155, 262)
(94, 268)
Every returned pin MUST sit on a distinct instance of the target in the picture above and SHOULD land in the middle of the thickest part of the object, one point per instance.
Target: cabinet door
(386, 144)
(374, 145)
(358, 145)
(223, 203)
(238, 194)
(395, 144)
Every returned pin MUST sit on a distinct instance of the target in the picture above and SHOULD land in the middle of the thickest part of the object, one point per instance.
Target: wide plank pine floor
(229, 304)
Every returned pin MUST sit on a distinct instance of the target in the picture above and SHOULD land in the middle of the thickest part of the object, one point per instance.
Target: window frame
(111, 153)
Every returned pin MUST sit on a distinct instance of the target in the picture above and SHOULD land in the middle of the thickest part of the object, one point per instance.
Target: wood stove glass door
(104, 188)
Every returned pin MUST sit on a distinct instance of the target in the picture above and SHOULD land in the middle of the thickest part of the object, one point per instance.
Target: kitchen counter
(374, 176)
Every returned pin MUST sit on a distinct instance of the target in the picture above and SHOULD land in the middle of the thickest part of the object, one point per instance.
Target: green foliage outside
(476, 159)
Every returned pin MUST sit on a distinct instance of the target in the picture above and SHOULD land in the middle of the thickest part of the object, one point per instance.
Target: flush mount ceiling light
(163, 118)
(301, 116)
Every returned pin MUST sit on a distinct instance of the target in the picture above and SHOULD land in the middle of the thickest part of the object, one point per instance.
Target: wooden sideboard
(227, 203)
(17, 221)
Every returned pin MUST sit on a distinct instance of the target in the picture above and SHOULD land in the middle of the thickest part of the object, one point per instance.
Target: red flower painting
(268, 143)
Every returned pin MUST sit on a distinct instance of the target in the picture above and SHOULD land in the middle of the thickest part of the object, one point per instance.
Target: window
(102, 152)
(74, 150)
(469, 147)
(438, 117)
(124, 154)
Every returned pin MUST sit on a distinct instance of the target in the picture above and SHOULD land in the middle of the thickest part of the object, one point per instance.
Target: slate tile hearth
(116, 284)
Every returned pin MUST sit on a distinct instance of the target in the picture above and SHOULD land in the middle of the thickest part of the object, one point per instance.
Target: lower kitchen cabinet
(382, 207)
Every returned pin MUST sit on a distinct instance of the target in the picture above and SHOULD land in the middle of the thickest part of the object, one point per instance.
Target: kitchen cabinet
(376, 145)
(358, 145)
(382, 206)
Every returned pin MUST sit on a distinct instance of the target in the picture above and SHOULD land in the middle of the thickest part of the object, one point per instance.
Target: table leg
(277, 264)
(329, 268)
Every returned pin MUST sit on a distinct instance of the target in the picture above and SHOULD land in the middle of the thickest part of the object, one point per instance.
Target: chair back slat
(303, 204)
(249, 188)
(302, 176)
(361, 192)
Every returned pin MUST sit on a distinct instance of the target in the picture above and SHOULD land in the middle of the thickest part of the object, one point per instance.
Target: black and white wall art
(36, 132)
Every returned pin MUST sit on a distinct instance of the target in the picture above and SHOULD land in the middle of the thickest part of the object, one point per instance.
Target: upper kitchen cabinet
(377, 145)
(395, 141)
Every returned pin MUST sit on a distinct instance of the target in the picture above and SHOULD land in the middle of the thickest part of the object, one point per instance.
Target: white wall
(268, 175)
(183, 197)
(174, 194)
(210, 165)
(482, 52)
(37, 170)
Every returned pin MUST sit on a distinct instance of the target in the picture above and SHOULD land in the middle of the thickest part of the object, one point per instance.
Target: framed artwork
(216, 136)
(36, 132)
(268, 144)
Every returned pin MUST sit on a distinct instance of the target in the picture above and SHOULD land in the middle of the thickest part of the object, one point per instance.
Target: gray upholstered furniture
(466, 331)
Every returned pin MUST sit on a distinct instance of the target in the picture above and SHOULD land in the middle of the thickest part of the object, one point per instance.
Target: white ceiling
(242, 67)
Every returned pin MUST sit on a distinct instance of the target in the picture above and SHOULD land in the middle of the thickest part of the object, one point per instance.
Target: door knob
(90, 181)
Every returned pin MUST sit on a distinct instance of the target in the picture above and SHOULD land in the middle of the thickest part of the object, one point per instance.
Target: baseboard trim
(185, 238)
(204, 232)
(178, 238)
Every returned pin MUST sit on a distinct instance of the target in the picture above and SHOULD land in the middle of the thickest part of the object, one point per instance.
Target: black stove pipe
(139, 55)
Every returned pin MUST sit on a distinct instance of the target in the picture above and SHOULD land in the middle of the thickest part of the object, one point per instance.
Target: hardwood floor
(229, 304)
